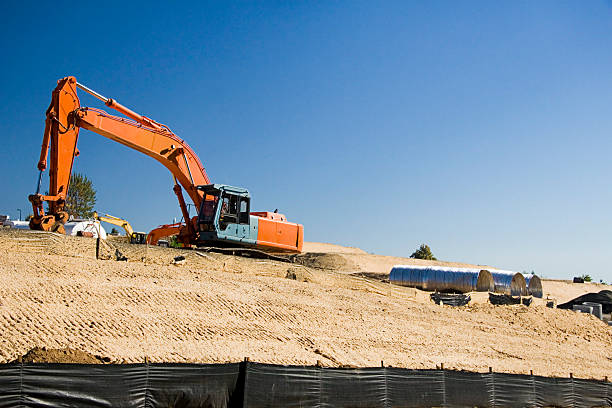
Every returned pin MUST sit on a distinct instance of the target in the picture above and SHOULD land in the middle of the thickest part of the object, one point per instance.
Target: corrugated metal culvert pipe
(447, 279)
(534, 286)
(442, 278)
(509, 283)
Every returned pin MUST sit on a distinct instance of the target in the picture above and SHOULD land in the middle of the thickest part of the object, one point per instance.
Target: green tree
(424, 252)
(173, 242)
(81, 197)
(587, 278)
(114, 231)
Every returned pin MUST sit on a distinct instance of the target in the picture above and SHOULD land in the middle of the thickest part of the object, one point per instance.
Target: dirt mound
(300, 275)
(330, 248)
(565, 290)
(44, 242)
(65, 355)
(318, 260)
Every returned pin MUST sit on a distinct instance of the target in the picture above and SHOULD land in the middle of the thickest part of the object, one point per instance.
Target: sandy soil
(320, 247)
(218, 308)
(564, 290)
(45, 355)
(347, 259)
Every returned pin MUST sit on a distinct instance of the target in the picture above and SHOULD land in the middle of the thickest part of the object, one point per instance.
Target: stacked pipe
(534, 286)
(442, 279)
(509, 283)
(445, 279)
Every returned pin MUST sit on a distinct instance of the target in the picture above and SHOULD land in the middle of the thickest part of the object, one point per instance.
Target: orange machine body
(275, 232)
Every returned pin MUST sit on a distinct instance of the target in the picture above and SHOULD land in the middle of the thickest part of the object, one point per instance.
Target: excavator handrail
(129, 121)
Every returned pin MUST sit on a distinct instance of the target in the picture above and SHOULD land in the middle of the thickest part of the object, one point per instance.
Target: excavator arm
(163, 231)
(120, 222)
(65, 117)
(61, 138)
(132, 236)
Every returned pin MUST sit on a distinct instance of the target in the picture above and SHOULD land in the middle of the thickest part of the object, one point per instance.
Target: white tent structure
(77, 227)
(17, 224)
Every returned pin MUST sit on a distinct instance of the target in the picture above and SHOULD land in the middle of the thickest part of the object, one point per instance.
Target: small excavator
(223, 216)
(133, 236)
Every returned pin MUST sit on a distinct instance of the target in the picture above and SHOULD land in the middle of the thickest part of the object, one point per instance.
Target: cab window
(244, 210)
(229, 210)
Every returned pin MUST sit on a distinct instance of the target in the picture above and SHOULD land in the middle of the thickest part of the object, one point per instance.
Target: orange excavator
(223, 219)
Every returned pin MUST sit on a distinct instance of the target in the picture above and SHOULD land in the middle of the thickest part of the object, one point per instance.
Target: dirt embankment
(355, 260)
(65, 355)
(218, 308)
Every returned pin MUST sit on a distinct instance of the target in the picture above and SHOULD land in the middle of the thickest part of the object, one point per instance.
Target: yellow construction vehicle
(134, 237)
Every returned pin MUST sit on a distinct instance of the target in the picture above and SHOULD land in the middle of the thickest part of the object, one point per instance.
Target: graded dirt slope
(348, 259)
(217, 308)
(320, 247)
(564, 290)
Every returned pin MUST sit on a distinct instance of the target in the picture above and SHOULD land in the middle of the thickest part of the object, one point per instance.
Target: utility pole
(19, 209)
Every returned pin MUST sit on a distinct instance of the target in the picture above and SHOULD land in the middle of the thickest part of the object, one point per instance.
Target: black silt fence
(263, 385)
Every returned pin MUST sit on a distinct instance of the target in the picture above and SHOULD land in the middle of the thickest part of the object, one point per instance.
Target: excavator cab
(225, 219)
(224, 216)
(138, 238)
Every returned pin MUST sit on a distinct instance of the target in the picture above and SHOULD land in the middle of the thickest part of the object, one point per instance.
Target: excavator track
(248, 253)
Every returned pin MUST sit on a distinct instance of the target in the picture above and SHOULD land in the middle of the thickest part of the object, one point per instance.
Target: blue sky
(480, 128)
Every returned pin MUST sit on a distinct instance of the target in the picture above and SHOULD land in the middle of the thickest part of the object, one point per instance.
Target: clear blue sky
(480, 128)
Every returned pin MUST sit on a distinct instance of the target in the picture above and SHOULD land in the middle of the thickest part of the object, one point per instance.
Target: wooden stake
(441, 366)
(490, 369)
(246, 359)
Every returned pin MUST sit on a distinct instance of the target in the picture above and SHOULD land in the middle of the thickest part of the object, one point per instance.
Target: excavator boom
(64, 119)
(132, 236)
(120, 222)
(163, 231)
(162, 145)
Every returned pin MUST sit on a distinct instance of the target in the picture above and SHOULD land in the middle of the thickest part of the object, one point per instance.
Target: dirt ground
(347, 259)
(218, 308)
(67, 355)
